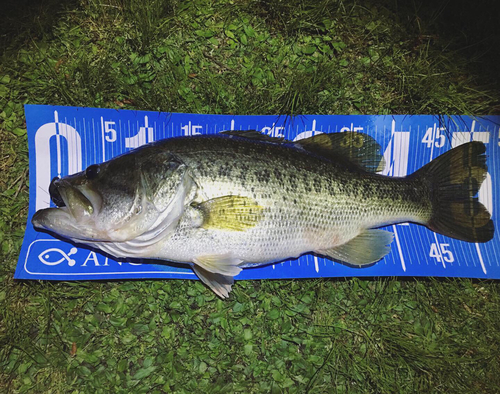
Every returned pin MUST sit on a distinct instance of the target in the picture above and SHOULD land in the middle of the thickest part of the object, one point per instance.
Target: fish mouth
(76, 206)
(55, 194)
(65, 195)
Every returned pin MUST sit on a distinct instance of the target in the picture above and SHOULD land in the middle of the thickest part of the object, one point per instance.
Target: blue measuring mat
(65, 140)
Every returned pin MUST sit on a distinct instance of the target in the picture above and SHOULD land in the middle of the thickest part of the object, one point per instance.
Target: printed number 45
(434, 136)
(441, 253)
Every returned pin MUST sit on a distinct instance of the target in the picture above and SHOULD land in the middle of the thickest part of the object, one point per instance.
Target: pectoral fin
(220, 284)
(368, 247)
(234, 213)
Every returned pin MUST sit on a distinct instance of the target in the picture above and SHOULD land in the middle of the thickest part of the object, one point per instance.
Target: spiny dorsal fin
(234, 213)
(350, 146)
(254, 135)
(367, 248)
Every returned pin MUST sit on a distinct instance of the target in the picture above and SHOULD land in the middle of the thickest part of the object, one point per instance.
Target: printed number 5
(109, 133)
(441, 253)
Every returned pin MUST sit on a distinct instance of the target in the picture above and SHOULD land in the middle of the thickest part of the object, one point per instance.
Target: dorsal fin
(350, 146)
(253, 135)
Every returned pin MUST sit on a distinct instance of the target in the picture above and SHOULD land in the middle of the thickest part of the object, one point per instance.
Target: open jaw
(74, 210)
(55, 194)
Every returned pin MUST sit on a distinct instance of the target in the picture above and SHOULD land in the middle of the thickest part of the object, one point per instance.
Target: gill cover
(165, 189)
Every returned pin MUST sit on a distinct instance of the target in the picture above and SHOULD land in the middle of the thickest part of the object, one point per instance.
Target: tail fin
(454, 179)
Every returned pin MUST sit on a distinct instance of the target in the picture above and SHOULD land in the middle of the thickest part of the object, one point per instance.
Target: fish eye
(92, 171)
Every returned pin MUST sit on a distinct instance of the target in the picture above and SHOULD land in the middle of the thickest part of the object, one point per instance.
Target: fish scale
(297, 219)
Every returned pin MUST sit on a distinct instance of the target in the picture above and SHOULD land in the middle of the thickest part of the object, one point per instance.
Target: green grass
(242, 57)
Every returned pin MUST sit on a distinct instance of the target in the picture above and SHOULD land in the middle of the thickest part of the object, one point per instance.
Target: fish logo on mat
(48, 256)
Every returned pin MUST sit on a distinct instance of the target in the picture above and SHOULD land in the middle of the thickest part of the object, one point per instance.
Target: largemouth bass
(240, 199)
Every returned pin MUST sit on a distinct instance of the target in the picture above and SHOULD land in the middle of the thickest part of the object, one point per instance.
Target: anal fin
(367, 248)
(220, 284)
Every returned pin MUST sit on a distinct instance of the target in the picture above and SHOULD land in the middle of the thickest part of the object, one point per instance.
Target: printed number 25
(441, 253)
